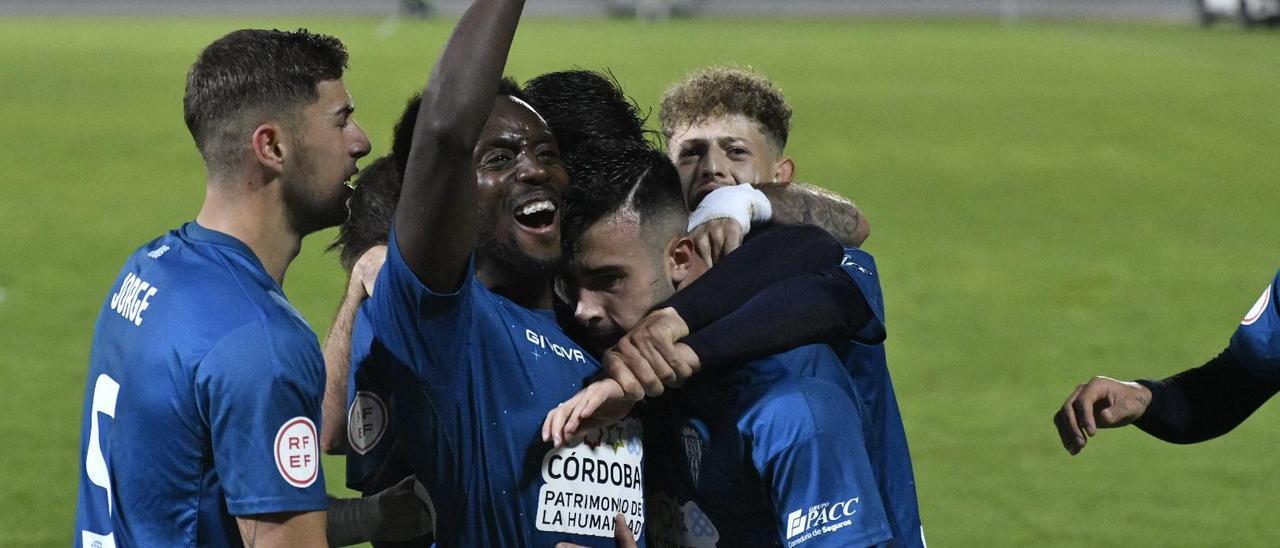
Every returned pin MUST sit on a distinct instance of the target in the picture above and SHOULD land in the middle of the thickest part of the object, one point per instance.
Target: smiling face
(520, 179)
(325, 142)
(725, 151)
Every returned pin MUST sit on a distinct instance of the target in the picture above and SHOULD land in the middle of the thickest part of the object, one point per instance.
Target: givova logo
(820, 519)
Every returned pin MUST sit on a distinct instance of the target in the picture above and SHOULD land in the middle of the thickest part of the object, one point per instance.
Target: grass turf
(1048, 202)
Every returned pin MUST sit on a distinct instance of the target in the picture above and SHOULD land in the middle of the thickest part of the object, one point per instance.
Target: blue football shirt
(886, 438)
(767, 454)
(475, 375)
(369, 401)
(1256, 342)
(203, 398)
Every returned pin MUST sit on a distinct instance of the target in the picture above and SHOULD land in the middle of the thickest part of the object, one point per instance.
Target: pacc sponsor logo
(819, 519)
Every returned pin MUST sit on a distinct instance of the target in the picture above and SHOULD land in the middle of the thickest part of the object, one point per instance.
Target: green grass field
(1048, 202)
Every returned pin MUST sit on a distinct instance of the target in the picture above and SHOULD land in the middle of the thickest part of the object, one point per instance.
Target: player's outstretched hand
(622, 537)
(716, 238)
(601, 403)
(1102, 402)
(648, 358)
(365, 272)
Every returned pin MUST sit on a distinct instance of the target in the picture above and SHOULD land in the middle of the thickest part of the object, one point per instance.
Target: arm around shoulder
(801, 203)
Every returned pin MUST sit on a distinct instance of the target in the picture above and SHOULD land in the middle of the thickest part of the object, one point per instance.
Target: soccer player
(727, 127)
(765, 453)
(1195, 405)
(462, 306)
(205, 384)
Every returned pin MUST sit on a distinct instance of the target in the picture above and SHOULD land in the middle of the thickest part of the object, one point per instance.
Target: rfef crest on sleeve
(366, 421)
(1258, 308)
(297, 452)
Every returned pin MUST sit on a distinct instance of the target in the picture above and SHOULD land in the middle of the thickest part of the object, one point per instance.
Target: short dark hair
(372, 204)
(609, 177)
(249, 75)
(402, 139)
(377, 189)
(725, 91)
(584, 105)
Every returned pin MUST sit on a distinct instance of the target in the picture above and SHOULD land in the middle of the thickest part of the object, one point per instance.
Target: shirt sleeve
(1205, 402)
(804, 309)
(261, 401)
(369, 418)
(1256, 342)
(767, 256)
(426, 331)
(861, 268)
(819, 476)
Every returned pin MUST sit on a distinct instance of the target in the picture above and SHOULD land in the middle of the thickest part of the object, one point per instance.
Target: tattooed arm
(798, 203)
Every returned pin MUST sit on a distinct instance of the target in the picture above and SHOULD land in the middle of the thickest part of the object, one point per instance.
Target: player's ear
(682, 259)
(785, 170)
(269, 148)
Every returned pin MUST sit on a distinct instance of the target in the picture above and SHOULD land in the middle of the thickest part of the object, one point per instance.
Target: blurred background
(1056, 189)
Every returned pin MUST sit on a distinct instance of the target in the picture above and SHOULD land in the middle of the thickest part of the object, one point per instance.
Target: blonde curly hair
(725, 91)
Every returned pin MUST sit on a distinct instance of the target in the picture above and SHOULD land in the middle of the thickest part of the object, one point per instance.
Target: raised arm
(337, 365)
(436, 218)
(801, 203)
(337, 350)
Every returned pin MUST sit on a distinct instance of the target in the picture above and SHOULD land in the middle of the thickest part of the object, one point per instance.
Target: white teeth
(541, 205)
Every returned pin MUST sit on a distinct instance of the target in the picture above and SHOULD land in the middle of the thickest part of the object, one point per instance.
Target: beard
(309, 207)
(507, 258)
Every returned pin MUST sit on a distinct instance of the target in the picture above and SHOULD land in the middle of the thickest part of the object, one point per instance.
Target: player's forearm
(436, 217)
(767, 257)
(337, 365)
(800, 310)
(1205, 402)
(285, 529)
(800, 203)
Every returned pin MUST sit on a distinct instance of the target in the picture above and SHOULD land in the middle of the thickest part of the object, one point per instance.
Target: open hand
(601, 403)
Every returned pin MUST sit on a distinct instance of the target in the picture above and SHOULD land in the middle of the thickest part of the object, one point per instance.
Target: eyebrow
(346, 109)
(728, 140)
(691, 143)
(597, 271)
(505, 140)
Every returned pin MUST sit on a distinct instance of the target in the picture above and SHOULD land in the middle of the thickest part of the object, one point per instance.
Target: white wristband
(742, 203)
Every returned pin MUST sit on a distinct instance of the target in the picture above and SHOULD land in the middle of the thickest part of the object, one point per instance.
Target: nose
(531, 170)
(588, 311)
(360, 146)
(712, 167)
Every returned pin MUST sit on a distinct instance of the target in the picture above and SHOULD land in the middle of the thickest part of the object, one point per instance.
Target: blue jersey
(1256, 343)
(767, 454)
(369, 401)
(886, 438)
(475, 375)
(203, 399)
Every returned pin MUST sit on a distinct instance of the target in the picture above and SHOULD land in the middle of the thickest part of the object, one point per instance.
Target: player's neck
(530, 291)
(256, 216)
